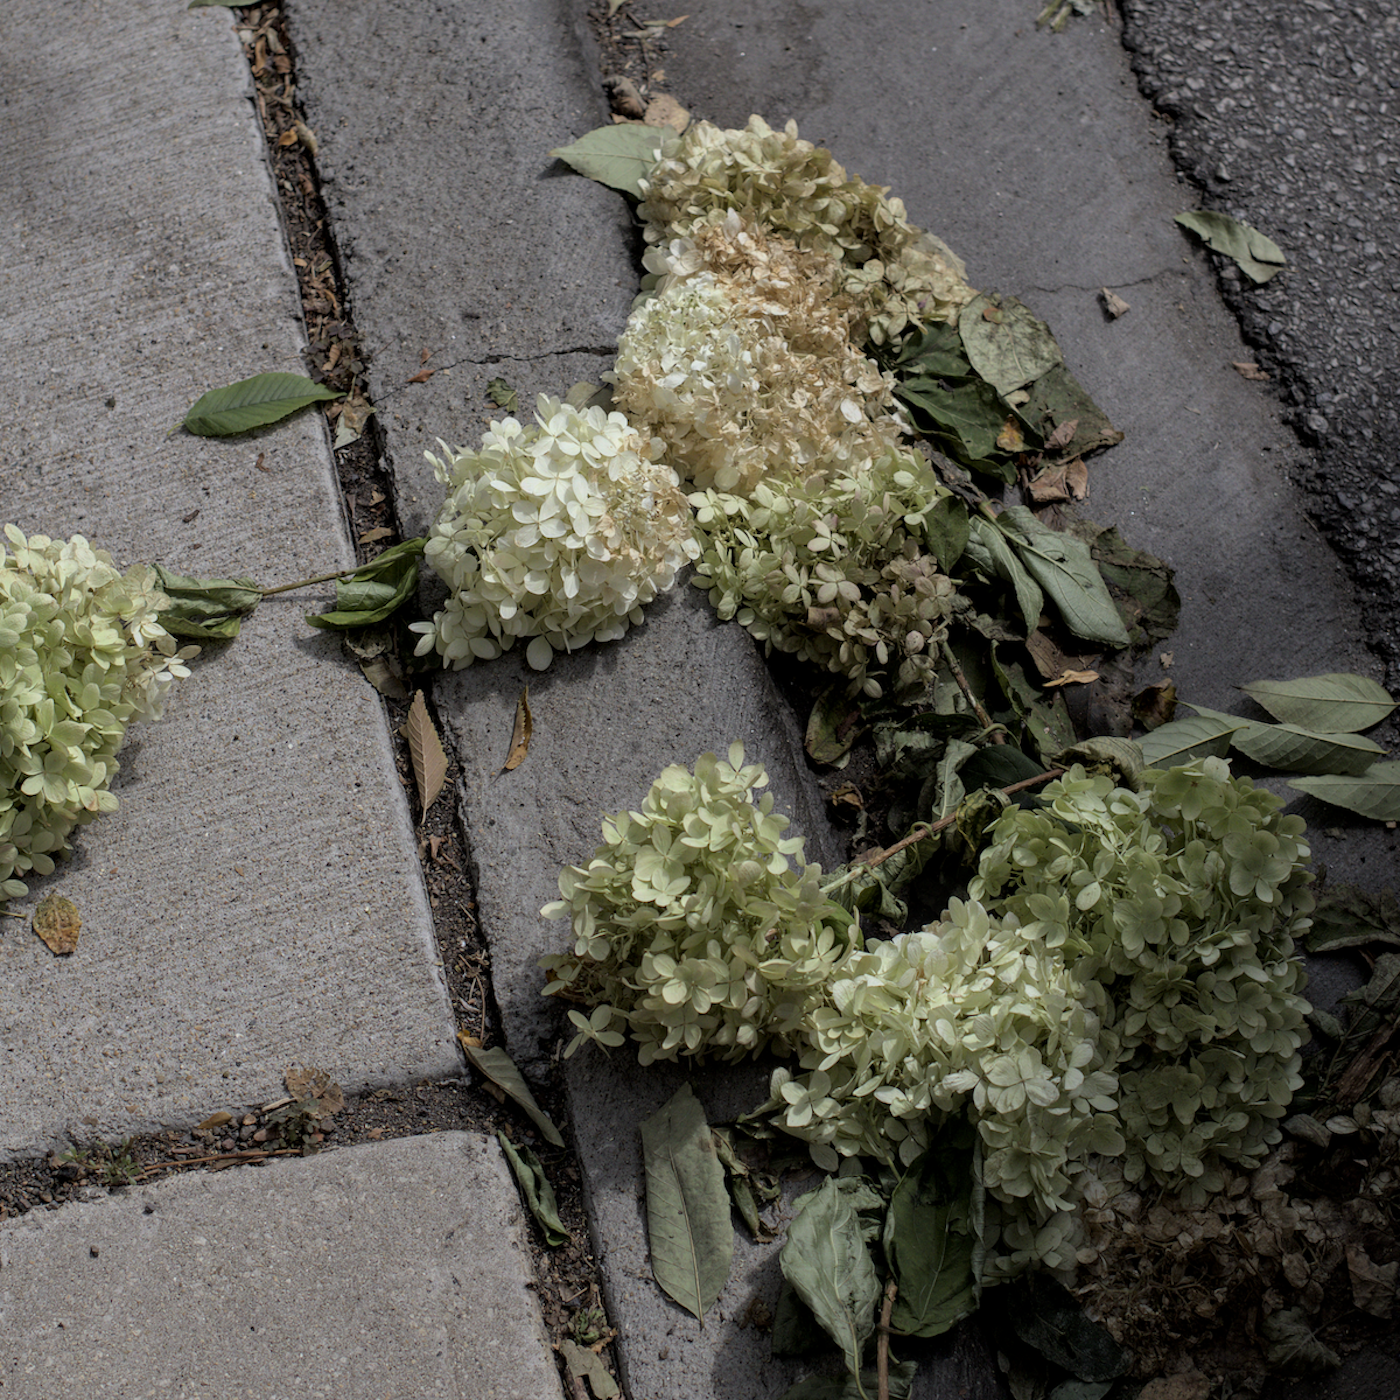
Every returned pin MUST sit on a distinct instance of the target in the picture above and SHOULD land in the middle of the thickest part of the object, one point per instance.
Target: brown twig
(882, 1347)
(253, 1155)
(978, 708)
(932, 828)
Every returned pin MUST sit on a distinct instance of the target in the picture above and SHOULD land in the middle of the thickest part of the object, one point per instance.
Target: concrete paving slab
(257, 901)
(394, 1269)
(459, 234)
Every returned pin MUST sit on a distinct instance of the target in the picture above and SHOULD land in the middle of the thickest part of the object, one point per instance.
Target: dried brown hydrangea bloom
(742, 361)
(895, 271)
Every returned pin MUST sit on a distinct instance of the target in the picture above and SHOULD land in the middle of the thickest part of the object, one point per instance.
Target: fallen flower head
(560, 532)
(82, 655)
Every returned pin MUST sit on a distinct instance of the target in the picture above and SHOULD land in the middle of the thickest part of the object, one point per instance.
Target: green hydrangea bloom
(692, 931)
(82, 655)
(1183, 901)
(833, 569)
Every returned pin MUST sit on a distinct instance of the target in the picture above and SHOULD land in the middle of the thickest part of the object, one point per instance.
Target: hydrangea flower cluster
(1183, 901)
(743, 361)
(897, 271)
(972, 1015)
(1118, 999)
(560, 532)
(82, 655)
(833, 569)
(692, 930)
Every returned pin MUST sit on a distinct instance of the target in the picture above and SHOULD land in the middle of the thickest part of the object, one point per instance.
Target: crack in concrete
(606, 352)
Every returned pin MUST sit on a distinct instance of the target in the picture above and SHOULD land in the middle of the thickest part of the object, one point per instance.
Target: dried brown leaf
(422, 376)
(214, 1120)
(520, 736)
(1249, 370)
(666, 111)
(380, 532)
(56, 921)
(426, 751)
(1073, 678)
(1113, 303)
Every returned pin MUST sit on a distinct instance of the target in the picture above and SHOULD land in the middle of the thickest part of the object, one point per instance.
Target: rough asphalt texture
(1286, 117)
(1032, 154)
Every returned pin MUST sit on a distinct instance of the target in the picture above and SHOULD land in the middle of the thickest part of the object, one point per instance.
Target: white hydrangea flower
(82, 655)
(561, 532)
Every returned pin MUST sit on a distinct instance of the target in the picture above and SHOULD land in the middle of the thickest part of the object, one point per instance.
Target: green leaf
(1258, 257)
(1348, 917)
(795, 1331)
(739, 1179)
(538, 1193)
(1295, 750)
(1006, 344)
(833, 726)
(207, 609)
(688, 1224)
(500, 1069)
(1046, 1316)
(1149, 598)
(617, 156)
(588, 1365)
(376, 590)
(931, 1243)
(998, 766)
(265, 398)
(989, 549)
(934, 352)
(1374, 793)
(1184, 739)
(1338, 703)
(901, 1384)
(1065, 569)
(503, 396)
(1292, 1348)
(950, 790)
(1057, 398)
(827, 1263)
(964, 417)
(946, 529)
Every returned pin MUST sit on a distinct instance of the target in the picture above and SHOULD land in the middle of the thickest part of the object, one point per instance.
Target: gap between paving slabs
(310, 1119)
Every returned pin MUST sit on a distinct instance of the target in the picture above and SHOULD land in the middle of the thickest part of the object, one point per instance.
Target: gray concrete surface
(256, 902)
(371, 1273)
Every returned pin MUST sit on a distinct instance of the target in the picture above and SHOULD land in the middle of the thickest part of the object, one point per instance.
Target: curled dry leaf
(426, 751)
(520, 735)
(1249, 370)
(666, 111)
(1073, 678)
(1113, 303)
(56, 921)
(214, 1120)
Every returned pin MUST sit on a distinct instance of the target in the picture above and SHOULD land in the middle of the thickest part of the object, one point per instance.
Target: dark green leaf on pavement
(1295, 750)
(1047, 1317)
(503, 396)
(1335, 704)
(1348, 917)
(617, 156)
(688, 1224)
(252, 403)
(1374, 793)
(500, 1069)
(1185, 739)
(375, 590)
(826, 1261)
(535, 1187)
(208, 609)
(901, 1385)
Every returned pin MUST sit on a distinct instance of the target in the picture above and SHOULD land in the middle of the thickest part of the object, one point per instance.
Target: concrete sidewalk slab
(395, 1269)
(257, 900)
